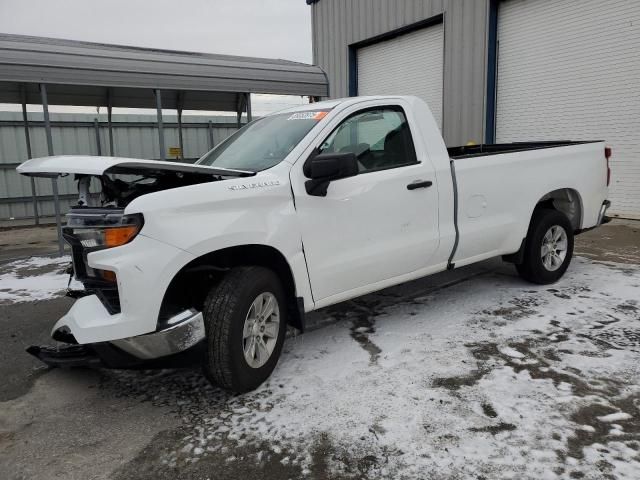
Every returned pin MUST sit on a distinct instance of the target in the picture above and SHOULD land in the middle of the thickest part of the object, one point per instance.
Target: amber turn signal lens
(108, 275)
(114, 237)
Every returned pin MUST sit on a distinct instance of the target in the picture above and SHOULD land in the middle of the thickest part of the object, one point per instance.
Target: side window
(380, 138)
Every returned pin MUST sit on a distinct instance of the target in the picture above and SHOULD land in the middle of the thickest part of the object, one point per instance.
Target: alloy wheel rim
(261, 328)
(554, 248)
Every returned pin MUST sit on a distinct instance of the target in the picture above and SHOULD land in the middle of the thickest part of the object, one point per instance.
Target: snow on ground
(488, 378)
(36, 278)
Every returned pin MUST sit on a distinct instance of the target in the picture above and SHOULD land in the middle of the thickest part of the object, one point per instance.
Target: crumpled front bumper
(143, 269)
(67, 356)
(181, 339)
(183, 331)
(134, 335)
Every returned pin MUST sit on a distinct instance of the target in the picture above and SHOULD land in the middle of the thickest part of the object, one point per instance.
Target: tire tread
(220, 305)
(531, 269)
(220, 309)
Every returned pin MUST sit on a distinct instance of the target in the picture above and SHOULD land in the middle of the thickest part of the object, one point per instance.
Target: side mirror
(324, 168)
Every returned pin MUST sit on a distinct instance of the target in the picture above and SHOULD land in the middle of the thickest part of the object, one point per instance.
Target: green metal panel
(74, 134)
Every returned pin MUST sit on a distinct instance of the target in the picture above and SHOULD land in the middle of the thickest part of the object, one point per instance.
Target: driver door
(370, 227)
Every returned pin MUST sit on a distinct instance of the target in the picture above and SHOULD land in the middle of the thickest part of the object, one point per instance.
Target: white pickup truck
(296, 211)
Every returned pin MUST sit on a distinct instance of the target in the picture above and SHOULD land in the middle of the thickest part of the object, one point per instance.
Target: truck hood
(90, 165)
(116, 191)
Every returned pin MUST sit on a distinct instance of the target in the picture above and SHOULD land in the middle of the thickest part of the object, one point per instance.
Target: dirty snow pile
(489, 378)
(36, 278)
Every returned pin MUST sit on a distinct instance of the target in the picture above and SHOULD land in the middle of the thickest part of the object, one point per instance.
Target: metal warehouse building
(498, 71)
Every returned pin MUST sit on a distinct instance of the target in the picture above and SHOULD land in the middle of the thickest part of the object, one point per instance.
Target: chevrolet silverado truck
(296, 211)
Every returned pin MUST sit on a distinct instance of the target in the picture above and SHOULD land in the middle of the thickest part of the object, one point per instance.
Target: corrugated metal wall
(135, 136)
(336, 24)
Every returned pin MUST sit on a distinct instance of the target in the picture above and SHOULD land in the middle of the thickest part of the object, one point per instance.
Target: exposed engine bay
(120, 185)
(120, 190)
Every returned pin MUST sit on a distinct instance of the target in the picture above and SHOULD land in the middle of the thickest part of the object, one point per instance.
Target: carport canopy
(89, 74)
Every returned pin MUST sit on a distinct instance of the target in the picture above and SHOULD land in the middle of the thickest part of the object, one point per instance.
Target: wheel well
(190, 285)
(564, 200)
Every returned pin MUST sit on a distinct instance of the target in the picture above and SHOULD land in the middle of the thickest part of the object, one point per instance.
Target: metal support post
(27, 137)
(160, 129)
(54, 180)
(239, 109)
(109, 111)
(210, 128)
(180, 100)
(96, 127)
(248, 104)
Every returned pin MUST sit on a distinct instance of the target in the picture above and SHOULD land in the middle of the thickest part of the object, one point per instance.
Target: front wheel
(245, 319)
(548, 247)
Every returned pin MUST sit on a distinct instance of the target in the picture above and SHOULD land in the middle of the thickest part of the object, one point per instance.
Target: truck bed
(469, 151)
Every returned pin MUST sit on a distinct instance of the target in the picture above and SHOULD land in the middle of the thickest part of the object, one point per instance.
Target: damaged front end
(98, 331)
(177, 343)
(176, 339)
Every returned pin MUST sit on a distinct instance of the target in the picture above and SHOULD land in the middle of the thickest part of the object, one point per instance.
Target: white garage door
(411, 64)
(570, 69)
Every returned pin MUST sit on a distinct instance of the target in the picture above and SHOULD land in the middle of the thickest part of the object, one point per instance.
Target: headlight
(91, 229)
(106, 237)
(97, 231)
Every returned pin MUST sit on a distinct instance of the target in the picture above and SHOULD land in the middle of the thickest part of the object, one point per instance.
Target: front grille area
(90, 229)
(110, 298)
(107, 292)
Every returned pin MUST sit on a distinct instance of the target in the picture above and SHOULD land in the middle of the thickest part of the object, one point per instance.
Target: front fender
(205, 218)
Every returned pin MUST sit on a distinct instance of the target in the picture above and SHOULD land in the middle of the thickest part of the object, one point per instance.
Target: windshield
(263, 143)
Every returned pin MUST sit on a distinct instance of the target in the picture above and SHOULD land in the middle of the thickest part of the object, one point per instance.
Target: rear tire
(548, 247)
(233, 325)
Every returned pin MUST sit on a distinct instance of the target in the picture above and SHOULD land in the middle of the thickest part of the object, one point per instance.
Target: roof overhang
(83, 73)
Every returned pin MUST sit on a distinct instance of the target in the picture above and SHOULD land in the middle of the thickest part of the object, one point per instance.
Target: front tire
(548, 247)
(245, 318)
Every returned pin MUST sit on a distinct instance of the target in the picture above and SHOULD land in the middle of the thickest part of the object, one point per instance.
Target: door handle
(419, 184)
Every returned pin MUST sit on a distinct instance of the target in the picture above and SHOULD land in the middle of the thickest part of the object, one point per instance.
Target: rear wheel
(548, 247)
(245, 320)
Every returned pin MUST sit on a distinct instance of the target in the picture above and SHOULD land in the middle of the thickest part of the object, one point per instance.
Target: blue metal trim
(412, 27)
(492, 72)
(353, 71)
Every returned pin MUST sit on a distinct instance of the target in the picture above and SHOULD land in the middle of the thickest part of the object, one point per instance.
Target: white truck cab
(296, 211)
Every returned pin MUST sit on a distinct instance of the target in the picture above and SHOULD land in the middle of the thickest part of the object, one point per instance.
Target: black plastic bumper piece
(105, 355)
(602, 219)
(67, 356)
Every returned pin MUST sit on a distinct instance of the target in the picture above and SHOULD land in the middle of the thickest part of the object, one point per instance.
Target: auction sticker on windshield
(308, 115)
